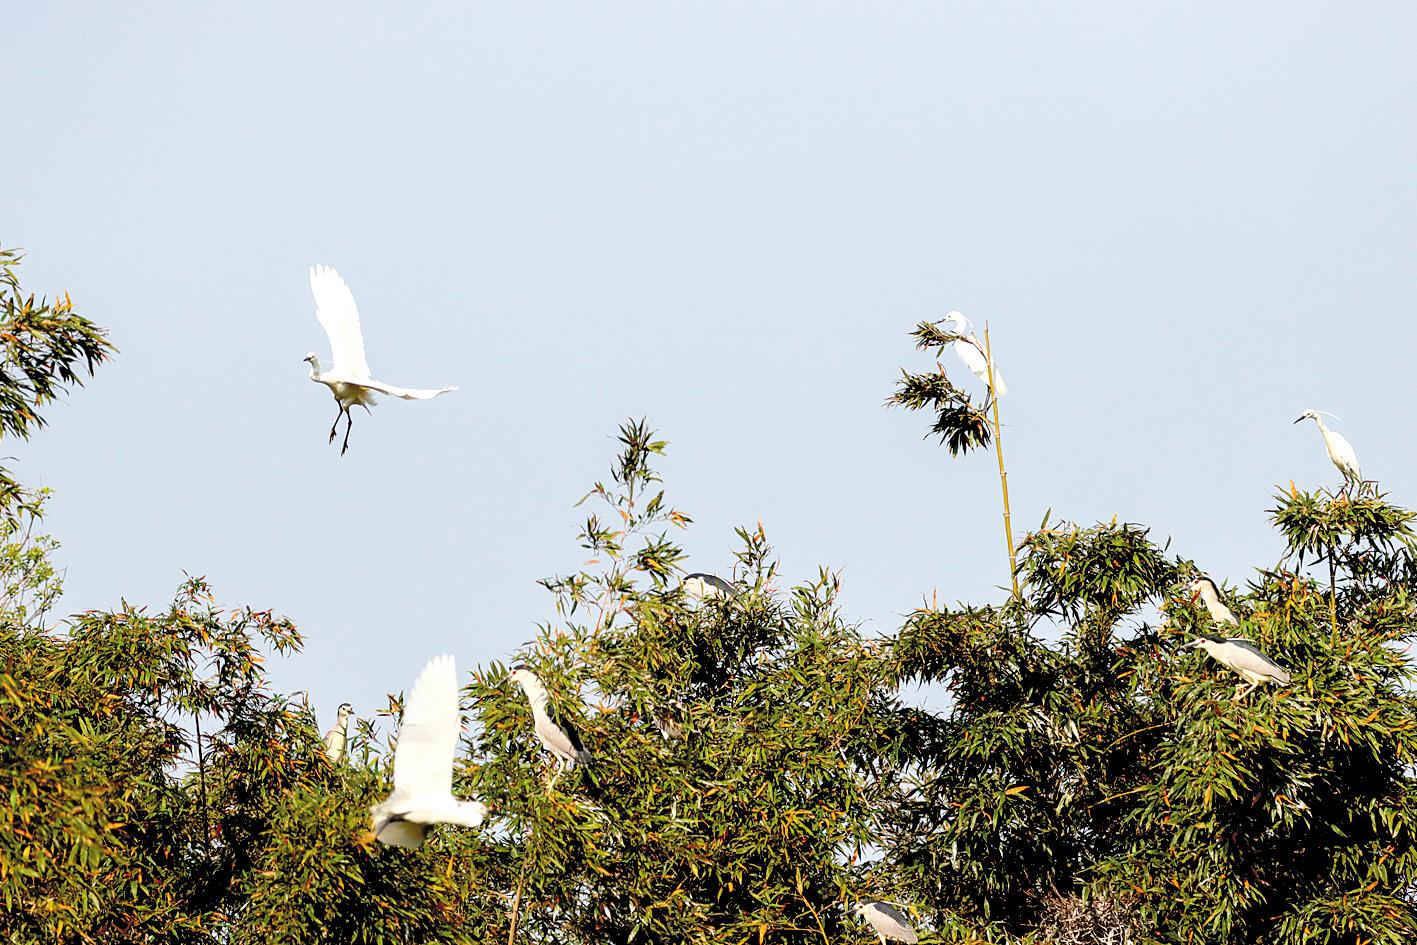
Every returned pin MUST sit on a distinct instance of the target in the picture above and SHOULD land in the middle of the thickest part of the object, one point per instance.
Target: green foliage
(754, 764)
(1123, 770)
(750, 822)
(29, 583)
(959, 423)
(44, 345)
(1093, 577)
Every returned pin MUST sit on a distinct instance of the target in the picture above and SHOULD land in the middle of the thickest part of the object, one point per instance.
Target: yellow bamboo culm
(517, 904)
(1003, 473)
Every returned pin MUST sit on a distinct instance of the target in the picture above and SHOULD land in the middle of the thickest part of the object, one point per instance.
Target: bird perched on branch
(348, 380)
(1244, 658)
(971, 352)
(336, 738)
(423, 763)
(553, 730)
(886, 921)
(1340, 451)
(702, 586)
(1204, 588)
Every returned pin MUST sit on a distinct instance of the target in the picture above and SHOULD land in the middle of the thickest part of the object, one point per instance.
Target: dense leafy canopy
(755, 765)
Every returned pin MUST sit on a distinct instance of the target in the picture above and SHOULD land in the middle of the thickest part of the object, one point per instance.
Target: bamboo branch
(1003, 473)
(516, 905)
(202, 785)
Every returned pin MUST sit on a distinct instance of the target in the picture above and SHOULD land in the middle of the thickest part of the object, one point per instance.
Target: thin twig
(820, 926)
(1003, 473)
(1113, 797)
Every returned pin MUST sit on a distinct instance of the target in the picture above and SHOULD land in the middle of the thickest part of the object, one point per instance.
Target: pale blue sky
(1185, 224)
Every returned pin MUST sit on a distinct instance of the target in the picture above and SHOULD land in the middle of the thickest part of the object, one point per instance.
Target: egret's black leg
(335, 426)
(348, 425)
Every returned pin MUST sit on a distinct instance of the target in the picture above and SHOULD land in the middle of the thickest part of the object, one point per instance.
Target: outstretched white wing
(334, 307)
(407, 393)
(428, 735)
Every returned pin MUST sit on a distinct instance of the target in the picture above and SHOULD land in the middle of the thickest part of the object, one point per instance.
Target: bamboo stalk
(1333, 595)
(1003, 473)
(202, 785)
(516, 905)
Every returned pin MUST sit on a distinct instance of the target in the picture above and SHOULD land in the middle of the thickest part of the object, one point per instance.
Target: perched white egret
(336, 737)
(701, 586)
(971, 352)
(1243, 657)
(348, 379)
(423, 763)
(886, 921)
(553, 729)
(1340, 451)
(1204, 588)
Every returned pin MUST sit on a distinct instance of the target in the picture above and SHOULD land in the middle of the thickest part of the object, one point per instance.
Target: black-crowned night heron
(1244, 658)
(336, 738)
(423, 763)
(972, 353)
(666, 720)
(1340, 451)
(348, 379)
(1204, 588)
(553, 729)
(701, 586)
(886, 921)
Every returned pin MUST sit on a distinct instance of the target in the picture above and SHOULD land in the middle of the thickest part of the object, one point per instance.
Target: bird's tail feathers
(467, 813)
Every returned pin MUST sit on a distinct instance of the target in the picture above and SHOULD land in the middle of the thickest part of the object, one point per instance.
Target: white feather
(886, 921)
(348, 378)
(1340, 452)
(339, 316)
(423, 762)
(971, 353)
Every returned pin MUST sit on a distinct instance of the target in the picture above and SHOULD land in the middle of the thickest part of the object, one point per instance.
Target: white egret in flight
(423, 763)
(971, 352)
(336, 737)
(348, 379)
(1340, 451)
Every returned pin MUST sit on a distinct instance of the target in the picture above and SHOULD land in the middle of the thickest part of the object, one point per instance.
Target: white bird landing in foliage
(337, 737)
(554, 731)
(423, 763)
(1204, 588)
(972, 353)
(1245, 658)
(886, 921)
(702, 586)
(348, 379)
(1340, 451)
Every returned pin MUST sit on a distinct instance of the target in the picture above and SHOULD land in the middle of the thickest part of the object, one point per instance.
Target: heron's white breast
(351, 395)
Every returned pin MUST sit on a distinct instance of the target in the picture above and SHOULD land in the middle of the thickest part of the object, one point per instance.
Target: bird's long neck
(1320, 421)
(537, 696)
(314, 369)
